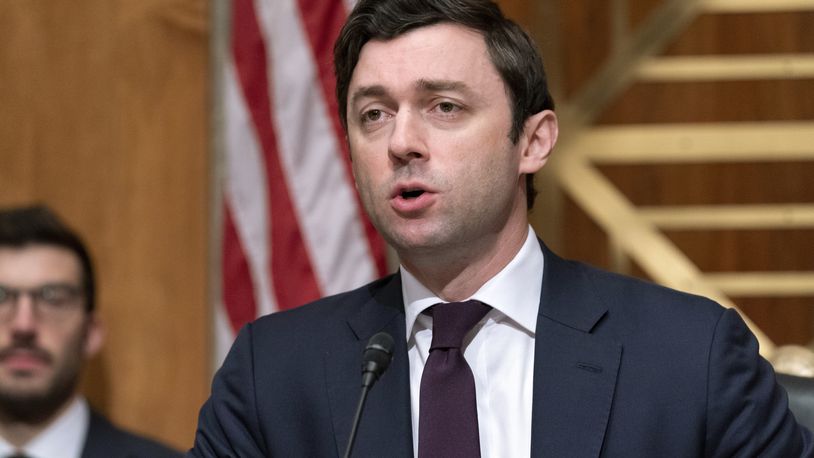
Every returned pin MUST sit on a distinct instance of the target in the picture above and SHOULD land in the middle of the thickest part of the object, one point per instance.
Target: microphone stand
(359, 408)
(375, 360)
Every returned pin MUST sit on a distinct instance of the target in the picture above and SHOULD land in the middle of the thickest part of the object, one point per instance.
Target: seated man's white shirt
(64, 438)
(500, 350)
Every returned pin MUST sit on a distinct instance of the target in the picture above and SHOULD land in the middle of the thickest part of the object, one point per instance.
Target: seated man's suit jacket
(622, 368)
(105, 440)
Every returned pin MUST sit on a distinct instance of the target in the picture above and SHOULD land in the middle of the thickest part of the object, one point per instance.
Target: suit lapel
(385, 428)
(99, 430)
(574, 370)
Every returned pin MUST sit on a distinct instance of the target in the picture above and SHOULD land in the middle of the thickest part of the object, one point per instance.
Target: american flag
(293, 226)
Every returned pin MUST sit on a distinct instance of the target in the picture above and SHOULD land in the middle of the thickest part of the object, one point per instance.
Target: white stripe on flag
(321, 190)
(246, 191)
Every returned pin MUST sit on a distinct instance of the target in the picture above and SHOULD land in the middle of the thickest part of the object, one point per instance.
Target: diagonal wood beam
(571, 167)
(620, 69)
(639, 238)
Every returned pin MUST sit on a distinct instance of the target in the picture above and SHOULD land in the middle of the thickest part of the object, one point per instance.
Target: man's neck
(19, 432)
(455, 274)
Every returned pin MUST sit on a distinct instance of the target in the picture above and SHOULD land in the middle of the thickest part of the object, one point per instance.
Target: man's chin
(415, 235)
(23, 391)
(423, 243)
(33, 400)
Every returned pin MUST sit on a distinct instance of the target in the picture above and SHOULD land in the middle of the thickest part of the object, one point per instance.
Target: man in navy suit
(448, 118)
(48, 329)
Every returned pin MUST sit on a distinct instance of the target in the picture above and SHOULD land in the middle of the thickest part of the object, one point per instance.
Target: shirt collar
(65, 436)
(514, 291)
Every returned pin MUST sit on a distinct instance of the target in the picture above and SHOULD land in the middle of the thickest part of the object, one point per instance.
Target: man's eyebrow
(422, 85)
(367, 91)
(441, 85)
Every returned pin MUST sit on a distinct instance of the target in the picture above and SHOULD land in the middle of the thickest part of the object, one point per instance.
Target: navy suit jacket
(105, 440)
(623, 368)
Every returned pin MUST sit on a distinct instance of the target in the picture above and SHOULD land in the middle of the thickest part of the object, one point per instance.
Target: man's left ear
(539, 134)
(94, 337)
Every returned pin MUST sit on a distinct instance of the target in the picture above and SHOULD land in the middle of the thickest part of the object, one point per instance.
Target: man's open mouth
(411, 193)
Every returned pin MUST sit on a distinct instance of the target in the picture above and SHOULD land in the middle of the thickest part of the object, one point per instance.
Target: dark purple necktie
(448, 413)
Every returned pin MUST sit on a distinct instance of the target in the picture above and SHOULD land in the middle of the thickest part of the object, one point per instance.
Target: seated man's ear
(94, 336)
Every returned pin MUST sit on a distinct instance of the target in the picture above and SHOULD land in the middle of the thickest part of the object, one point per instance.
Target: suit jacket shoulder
(105, 440)
(291, 382)
(629, 368)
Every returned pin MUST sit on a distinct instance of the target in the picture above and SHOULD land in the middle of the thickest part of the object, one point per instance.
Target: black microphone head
(377, 357)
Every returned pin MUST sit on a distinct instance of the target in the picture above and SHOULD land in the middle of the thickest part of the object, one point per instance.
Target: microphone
(375, 360)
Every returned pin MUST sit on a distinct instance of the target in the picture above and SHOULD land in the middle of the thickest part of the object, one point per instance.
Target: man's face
(42, 347)
(428, 126)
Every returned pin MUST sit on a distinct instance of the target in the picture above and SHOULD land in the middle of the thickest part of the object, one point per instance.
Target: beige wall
(104, 117)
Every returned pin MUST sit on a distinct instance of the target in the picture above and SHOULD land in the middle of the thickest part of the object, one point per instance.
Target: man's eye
(371, 115)
(447, 107)
(56, 294)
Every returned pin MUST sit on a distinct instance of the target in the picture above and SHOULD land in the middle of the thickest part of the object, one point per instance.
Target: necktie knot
(453, 320)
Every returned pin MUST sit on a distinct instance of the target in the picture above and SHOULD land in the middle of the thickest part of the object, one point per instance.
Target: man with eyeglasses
(48, 329)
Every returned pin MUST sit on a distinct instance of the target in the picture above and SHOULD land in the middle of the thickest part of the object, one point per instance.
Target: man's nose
(24, 318)
(408, 139)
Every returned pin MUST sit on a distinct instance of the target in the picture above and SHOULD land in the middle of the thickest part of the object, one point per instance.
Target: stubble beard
(20, 402)
(451, 239)
(33, 407)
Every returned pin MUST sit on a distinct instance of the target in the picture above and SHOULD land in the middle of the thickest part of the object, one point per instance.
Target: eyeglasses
(51, 302)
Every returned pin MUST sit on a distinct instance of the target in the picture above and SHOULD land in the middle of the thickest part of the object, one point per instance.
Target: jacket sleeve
(747, 411)
(228, 424)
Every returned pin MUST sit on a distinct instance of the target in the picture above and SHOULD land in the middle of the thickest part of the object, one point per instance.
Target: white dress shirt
(63, 438)
(499, 349)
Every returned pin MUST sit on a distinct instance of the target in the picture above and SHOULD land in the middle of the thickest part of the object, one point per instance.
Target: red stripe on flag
(237, 287)
(291, 271)
(323, 20)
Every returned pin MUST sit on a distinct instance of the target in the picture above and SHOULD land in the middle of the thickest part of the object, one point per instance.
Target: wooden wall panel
(586, 40)
(789, 321)
(714, 184)
(716, 101)
(788, 32)
(747, 250)
(639, 10)
(520, 11)
(104, 117)
(543, 21)
(582, 238)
